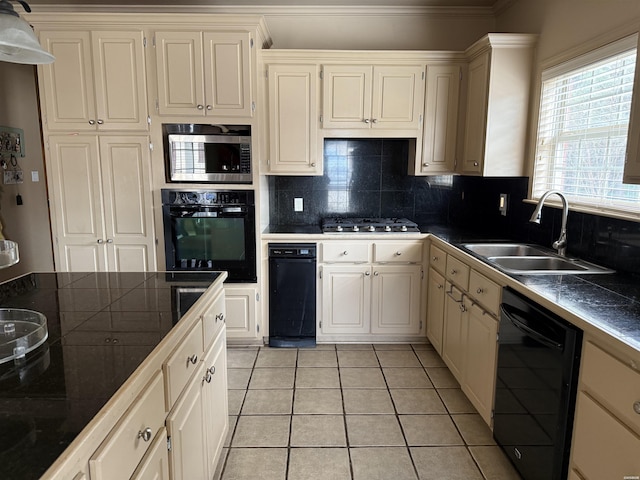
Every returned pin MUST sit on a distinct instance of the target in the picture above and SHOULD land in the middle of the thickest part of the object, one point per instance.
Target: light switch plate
(297, 205)
(504, 200)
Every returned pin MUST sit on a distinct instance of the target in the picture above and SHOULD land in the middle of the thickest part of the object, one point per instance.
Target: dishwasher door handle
(528, 330)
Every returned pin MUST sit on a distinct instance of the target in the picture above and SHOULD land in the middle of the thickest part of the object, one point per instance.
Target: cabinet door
(476, 115)
(76, 201)
(128, 203)
(440, 120)
(187, 430)
(395, 296)
(435, 309)
(120, 80)
(69, 102)
(346, 96)
(294, 146)
(346, 299)
(180, 73)
(398, 96)
(240, 316)
(155, 464)
(215, 400)
(480, 364)
(454, 333)
(227, 67)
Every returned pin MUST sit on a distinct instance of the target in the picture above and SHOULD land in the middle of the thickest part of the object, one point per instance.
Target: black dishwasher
(537, 376)
(292, 294)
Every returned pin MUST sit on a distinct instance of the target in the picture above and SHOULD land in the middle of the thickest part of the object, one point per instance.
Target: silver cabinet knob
(92, 122)
(434, 259)
(454, 272)
(345, 252)
(636, 407)
(145, 434)
(475, 164)
(220, 317)
(376, 274)
(100, 241)
(212, 370)
(207, 377)
(200, 107)
(375, 120)
(193, 359)
(440, 287)
(398, 253)
(313, 164)
(366, 120)
(479, 291)
(100, 122)
(209, 107)
(425, 164)
(367, 273)
(463, 308)
(109, 240)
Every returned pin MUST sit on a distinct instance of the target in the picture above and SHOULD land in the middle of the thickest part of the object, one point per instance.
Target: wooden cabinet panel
(183, 363)
(123, 449)
(294, 144)
(397, 252)
(396, 299)
(398, 95)
(455, 332)
(346, 299)
(486, 292)
(602, 446)
(439, 138)
(347, 96)
(240, 306)
(155, 464)
(435, 309)
(346, 252)
(437, 259)
(213, 319)
(476, 114)
(457, 272)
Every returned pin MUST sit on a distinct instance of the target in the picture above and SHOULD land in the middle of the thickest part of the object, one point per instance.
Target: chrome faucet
(561, 243)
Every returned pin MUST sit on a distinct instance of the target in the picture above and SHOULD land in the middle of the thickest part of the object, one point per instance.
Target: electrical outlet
(297, 205)
(502, 206)
(11, 177)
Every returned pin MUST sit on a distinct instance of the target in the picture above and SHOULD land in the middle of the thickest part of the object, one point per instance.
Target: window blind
(582, 129)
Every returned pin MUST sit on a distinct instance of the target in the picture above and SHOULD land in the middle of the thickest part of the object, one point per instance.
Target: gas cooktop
(368, 225)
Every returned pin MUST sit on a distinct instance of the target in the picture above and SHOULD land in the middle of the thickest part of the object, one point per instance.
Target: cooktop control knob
(356, 228)
(403, 228)
(371, 228)
(387, 228)
(339, 228)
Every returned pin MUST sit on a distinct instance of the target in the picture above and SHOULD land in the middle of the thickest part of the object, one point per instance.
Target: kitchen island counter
(101, 326)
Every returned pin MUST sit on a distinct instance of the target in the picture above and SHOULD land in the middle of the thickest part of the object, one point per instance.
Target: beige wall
(27, 224)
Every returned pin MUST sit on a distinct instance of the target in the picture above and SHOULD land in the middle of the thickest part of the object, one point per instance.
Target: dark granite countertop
(101, 327)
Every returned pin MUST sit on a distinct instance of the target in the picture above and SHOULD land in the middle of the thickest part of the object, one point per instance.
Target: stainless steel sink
(524, 259)
(505, 249)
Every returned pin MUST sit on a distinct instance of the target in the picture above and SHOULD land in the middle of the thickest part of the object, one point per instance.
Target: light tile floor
(353, 412)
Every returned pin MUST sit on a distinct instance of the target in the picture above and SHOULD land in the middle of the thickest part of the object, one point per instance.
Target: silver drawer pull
(193, 359)
(220, 316)
(367, 273)
(439, 287)
(207, 377)
(435, 259)
(398, 253)
(212, 370)
(636, 407)
(376, 274)
(454, 272)
(345, 253)
(145, 434)
(479, 291)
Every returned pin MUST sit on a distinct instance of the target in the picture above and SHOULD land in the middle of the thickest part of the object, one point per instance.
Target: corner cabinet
(97, 83)
(101, 205)
(372, 96)
(497, 107)
(204, 73)
(295, 146)
(370, 290)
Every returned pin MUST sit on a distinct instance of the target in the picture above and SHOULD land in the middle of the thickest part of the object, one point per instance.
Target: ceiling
(269, 3)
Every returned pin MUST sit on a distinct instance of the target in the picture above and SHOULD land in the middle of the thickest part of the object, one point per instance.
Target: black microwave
(207, 153)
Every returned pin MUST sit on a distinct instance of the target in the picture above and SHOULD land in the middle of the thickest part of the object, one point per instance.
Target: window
(582, 129)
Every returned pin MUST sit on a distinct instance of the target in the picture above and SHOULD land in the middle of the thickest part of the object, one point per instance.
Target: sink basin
(524, 259)
(505, 249)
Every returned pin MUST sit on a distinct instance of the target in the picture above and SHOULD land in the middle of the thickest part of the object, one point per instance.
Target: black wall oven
(210, 230)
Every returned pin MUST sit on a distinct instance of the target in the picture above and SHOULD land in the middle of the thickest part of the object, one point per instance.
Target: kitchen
(554, 39)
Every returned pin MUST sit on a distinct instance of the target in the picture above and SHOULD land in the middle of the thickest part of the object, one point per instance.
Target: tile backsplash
(369, 177)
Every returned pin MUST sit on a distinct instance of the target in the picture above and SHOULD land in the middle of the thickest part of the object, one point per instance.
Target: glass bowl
(21, 331)
(8, 253)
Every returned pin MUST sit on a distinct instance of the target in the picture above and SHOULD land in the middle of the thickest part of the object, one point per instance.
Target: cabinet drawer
(399, 252)
(457, 272)
(212, 320)
(612, 383)
(602, 447)
(124, 447)
(486, 292)
(437, 258)
(346, 252)
(182, 363)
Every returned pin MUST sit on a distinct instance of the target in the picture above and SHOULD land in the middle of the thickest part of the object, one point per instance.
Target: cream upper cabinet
(97, 82)
(295, 147)
(372, 97)
(632, 162)
(204, 73)
(497, 107)
(440, 133)
(101, 205)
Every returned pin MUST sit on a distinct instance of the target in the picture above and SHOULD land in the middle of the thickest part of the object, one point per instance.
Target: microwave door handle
(528, 330)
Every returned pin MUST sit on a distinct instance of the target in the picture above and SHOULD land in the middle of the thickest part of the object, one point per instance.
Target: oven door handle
(513, 318)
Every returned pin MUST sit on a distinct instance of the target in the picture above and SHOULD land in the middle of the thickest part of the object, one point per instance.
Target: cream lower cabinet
(98, 81)
(101, 203)
(198, 422)
(455, 331)
(606, 435)
(295, 146)
(204, 73)
(435, 309)
(241, 313)
(370, 290)
(155, 464)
